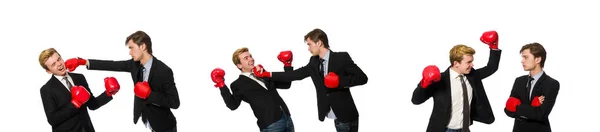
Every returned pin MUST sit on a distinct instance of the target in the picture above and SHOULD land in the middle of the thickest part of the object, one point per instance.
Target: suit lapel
(252, 81)
(536, 87)
(447, 86)
(76, 81)
(57, 85)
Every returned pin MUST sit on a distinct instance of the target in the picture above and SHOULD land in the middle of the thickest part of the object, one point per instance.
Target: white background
(391, 42)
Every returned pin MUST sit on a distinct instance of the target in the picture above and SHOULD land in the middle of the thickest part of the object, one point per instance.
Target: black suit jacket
(528, 118)
(62, 115)
(339, 99)
(164, 96)
(266, 104)
(440, 91)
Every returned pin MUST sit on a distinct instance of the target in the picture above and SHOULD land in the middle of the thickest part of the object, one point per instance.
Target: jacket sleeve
(170, 97)
(353, 75)
(232, 101)
(492, 65)
(108, 65)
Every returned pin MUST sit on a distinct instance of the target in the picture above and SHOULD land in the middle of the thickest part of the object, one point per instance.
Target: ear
(239, 66)
(143, 47)
(455, 63)
(48, 71)
(537, 60)
(320, 43)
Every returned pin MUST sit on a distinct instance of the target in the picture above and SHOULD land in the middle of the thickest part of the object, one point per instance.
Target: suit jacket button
(327, 95)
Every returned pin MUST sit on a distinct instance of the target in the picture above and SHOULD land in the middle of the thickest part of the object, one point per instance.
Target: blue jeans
(284, 124)
(453, 130)
(346, 126)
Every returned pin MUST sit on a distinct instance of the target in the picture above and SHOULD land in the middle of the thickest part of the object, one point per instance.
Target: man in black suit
(66, 96)
(458, 94)
(333, 73)
(155, 90)
(268, 107)
(537, 90)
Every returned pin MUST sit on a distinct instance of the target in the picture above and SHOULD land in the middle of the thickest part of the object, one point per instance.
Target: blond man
(458, 93)
(67, 96)
(269, 108)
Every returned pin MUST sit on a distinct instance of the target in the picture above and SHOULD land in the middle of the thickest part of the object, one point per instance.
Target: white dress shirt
(456, 119)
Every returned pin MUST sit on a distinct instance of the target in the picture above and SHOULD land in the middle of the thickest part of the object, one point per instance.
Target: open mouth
(61, 68)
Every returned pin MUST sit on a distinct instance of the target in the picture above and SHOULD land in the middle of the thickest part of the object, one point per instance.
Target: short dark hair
(316, 35)
(139, 38)
(537, 50)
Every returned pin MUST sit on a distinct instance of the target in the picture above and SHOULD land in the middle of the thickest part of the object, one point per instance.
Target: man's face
(313, 47)
(56, 65)
(528, 60)
(135, 51)
(464, 67)
(246, 62)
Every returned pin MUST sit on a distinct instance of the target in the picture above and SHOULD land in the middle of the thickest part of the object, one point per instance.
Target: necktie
(466, 110)
(321, 67)
(69, 85)
(141, 74)
(529, 86)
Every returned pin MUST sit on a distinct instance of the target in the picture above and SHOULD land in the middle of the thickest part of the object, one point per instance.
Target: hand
(112, 86)
(431, 74)
(260, 72)
(490, 38)
(332, 80)
(142, 90)
(512, 103)
(79, 96)
(217, 76)
(537, 101)
(285, 57)
(73, 63)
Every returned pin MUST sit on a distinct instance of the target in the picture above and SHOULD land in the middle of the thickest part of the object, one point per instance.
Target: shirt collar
(149, 63)
(326, 57)
(246, 73)
(61, 77)
(454, 74)
(537, 76)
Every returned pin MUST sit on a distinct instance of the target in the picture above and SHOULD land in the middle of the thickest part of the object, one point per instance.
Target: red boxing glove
(431, 74)
(286, 57)
(512, 103)
(332, 80)
(73, 63)
(79, 96)
(490, 38)
(535, 102)
(112, 86)
(142, 90)
(217, 75)
(260, 72)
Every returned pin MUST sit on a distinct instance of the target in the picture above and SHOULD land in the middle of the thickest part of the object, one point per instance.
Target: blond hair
(458, 51)
(47, 53)
(236, 55)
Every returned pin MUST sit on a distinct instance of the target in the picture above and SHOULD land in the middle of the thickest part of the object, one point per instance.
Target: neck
(455, 70)
(145, 58)
(245, 71)
(535, 71)
(322, 52)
